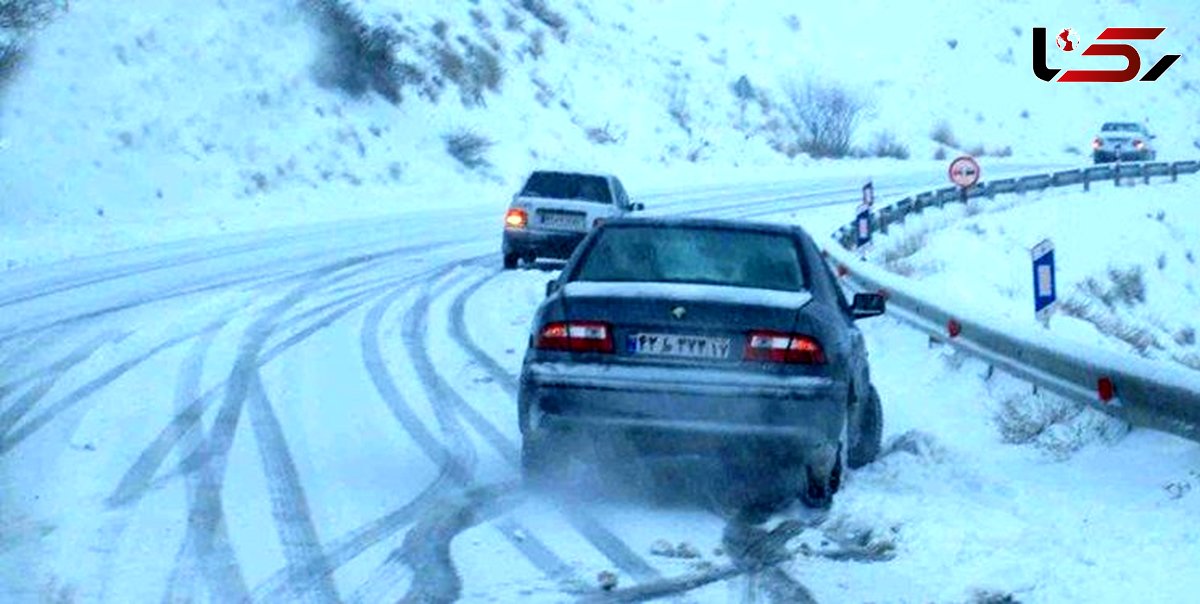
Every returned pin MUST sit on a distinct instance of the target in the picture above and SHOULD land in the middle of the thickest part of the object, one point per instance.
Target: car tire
(865, 448)
(819, 487)
(542, 465)
(510, 261)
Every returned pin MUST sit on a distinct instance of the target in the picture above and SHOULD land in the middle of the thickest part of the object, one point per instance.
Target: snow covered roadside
(166, 121)
(972, 509)
(1127, 262)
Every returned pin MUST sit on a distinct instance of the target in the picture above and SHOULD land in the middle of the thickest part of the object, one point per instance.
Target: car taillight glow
(516, 218)
(575, 336)
(777, 347)
(1137, 144)
(1097, 143)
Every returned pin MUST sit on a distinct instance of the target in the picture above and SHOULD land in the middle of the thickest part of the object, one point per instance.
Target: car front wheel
(510, 261)
(868, 435)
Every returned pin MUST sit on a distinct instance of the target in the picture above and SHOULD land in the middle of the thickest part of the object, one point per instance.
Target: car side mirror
(637, 206)
(868, 305)
(551, 287)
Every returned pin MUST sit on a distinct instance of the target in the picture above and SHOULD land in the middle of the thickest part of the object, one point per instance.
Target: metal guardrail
(1154, 394)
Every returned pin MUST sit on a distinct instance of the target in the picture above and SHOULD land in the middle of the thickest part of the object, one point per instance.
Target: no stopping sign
(964, 171)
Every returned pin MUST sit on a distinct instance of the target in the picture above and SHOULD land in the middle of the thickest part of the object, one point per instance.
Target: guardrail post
(1087, 182)
(1174, 172)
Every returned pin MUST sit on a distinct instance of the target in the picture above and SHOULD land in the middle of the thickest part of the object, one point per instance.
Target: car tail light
(777, 347)
(516, 218)
(1137, 144)
(575, 336)
(1097, 143)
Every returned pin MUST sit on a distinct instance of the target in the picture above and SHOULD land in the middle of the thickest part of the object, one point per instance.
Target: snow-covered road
(327, 414)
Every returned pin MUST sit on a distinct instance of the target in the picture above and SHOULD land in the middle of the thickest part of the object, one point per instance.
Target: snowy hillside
(1128, 262)
(158, 120)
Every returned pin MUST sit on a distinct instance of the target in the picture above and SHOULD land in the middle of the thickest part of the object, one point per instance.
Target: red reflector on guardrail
(953, 328)
(1106, 389)
(842, 271)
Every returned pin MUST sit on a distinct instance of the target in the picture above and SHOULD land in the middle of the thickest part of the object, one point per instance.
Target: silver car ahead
(553, 212)
(688, 336)
(1124, 141)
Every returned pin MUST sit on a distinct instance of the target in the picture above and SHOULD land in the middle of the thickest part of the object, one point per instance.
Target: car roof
(572, 172)
(705, 223)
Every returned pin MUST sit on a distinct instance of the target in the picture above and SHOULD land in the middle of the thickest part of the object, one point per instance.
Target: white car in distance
(554, 210)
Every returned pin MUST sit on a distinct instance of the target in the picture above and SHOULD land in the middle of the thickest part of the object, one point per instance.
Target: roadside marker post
(1045, 292)
(862, 220)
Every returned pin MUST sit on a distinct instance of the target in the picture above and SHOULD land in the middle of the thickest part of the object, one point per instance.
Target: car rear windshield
(558, 185)
(1121, 127)
(693, 255)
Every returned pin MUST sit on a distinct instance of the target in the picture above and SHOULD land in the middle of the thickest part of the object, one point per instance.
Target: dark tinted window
(693, 255)
(1121, 127)
(558, 185)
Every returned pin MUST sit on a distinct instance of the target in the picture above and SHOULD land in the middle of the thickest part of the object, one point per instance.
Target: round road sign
(964, 171)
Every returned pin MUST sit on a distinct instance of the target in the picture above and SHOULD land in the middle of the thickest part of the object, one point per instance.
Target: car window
(693, 255)
(622, 196)
(560, 185)
(1121, 127)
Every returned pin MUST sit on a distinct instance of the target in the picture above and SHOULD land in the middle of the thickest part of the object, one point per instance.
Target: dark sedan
(710, 337)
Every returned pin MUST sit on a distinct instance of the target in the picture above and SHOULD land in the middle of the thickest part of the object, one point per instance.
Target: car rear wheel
(510, 261)
(868, 436)
(820, 486)
(822, 481)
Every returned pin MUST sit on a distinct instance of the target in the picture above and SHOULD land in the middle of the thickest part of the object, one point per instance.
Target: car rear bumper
(1109, 156)
(552, 244)
(683, 410)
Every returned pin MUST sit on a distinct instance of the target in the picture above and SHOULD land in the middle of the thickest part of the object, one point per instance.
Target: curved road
(325, 415)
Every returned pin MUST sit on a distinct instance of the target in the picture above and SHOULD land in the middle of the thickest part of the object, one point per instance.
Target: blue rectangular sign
(1045, 291)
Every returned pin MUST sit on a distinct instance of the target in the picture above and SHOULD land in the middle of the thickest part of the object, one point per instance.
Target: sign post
(862, 219)
(1045, 292)
(964, 172)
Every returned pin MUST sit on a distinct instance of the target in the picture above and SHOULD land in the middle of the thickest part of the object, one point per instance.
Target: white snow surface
(166, 120)
(689, 291)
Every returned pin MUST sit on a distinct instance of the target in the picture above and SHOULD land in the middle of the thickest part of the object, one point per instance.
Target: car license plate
(672, 345)
(563, 220)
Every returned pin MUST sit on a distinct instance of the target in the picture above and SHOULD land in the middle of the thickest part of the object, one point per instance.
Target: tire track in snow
(451, 470)
(57, 367)
(212, 552)
(18, 435)
(449, 476)
(138, 479)
(202, 555)
(530, 546)
(44, 379)
(289, 506)
(608, 544)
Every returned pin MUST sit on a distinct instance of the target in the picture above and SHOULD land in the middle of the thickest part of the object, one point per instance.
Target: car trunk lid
(682, 322)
